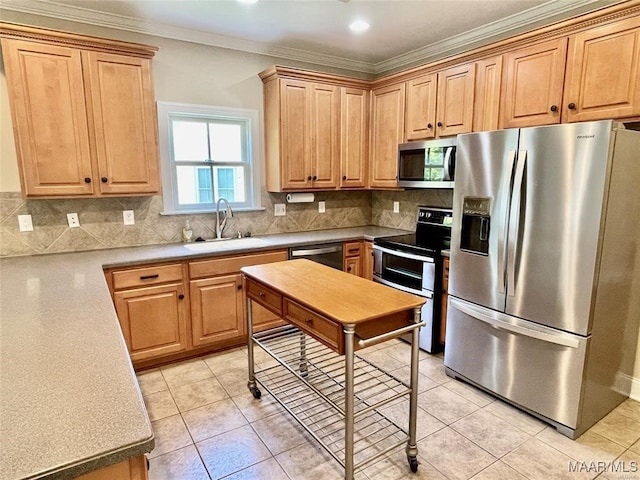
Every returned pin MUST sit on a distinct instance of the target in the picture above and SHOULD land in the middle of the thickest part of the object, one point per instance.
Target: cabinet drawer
(352, 249)
(322, 329)
(147, 276)
(264, 296)
(226, 265)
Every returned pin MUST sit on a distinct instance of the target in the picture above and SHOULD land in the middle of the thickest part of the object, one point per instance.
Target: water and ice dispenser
(476, 224)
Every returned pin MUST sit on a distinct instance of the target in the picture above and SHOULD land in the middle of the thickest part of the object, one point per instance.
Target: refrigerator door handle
(502, 237)
(514, 222)
(498, 320)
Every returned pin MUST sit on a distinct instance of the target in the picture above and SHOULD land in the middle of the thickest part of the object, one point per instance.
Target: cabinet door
(387, 132)
(153, 320)
(354, 138)
(352, 265)
(532, 85)
(47, 99)
(123, 121)
(264, 319)
(217, 311)
(603, 77)
(367, 260)
(456, 88)
(325, 135)
(295, 134)
(487, 95)
(420, 107)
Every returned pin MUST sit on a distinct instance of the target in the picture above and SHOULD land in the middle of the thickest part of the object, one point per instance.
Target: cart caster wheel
(413, 464)
(255, 391)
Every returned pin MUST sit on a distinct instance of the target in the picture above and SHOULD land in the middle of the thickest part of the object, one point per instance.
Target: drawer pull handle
(308, 321)
(149, 277)
(261, 294)
(354, 250)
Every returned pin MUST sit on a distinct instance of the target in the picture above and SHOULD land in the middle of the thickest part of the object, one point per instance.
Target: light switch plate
(321, 207)
(396, 207)
(279, 210)
(72, 219)
(25, 223)
(128, 217)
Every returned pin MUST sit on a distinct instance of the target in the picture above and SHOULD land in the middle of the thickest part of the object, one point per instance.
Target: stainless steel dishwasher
(329, 254)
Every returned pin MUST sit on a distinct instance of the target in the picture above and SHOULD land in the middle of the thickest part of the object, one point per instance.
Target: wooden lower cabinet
(133, 469)
(444, 299)
(216, 309)
(153, 320)
(352, 261)
(367, 260)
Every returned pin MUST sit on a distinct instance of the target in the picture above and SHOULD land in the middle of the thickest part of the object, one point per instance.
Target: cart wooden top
(340, 296)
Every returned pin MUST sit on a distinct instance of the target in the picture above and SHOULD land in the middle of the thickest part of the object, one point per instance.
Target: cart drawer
(321, 328)
(139, 277)
(264, 296)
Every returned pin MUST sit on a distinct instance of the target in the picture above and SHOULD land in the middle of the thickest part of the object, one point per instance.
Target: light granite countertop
(69, 399)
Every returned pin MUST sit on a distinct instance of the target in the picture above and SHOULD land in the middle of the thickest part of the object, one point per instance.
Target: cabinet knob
(309, 177)
(344, 177)
(571, 106)
(181, 296)
(348, 269)
(429, 125)
(439, 124)
(87, 179)
(239, 287)
(104, 179)
(315, 177)
(554, 108)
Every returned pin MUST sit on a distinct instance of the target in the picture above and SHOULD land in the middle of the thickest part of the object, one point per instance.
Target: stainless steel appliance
(329, 254)
(413, 263)
(543, 245)
(427, 164)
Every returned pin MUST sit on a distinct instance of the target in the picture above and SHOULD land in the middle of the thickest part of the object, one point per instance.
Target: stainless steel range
(413, 263)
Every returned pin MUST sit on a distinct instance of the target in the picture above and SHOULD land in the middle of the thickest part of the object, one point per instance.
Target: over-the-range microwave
(427, 164)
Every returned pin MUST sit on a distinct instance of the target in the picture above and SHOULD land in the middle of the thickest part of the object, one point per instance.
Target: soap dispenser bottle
(187, 233)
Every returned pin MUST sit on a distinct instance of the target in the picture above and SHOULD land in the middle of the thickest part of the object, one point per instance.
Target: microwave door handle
(514, 222)
(502, 237)
(448, 163)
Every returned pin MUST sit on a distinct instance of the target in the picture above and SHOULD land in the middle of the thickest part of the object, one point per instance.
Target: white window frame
(167, 110)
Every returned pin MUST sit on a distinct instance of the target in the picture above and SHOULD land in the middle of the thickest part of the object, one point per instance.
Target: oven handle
(397, 253)
(420, 293)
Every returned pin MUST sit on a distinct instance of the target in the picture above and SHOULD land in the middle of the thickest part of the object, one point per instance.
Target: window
(208, 153)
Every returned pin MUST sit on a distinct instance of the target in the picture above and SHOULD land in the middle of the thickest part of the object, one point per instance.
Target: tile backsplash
(101, 224)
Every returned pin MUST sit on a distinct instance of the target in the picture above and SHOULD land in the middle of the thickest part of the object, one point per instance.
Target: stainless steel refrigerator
(543, 247)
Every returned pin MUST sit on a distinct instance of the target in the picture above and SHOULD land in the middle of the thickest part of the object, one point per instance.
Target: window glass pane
(194, 185)
(190, 141)
(205, 186)
(226, 142)
(230, 183)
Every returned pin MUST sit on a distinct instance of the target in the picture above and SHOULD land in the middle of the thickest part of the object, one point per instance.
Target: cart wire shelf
(308, 381)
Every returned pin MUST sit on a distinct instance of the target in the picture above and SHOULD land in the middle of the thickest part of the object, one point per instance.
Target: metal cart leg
(412, 448)
(251, 384)
(349, 335)
(303, 354)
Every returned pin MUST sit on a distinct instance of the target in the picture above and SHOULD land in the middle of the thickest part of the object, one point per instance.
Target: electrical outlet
(25, 223)
(72, 219)
(396, 207)
(128, 218)
(321, 207)
(279, 210)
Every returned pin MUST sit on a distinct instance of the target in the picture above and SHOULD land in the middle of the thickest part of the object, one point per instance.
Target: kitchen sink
(215, 245)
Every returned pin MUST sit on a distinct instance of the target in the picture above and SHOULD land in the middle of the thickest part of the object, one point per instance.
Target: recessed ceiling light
(359, 26)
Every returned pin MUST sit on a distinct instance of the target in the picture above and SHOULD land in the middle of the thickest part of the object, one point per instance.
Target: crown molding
(429, 53)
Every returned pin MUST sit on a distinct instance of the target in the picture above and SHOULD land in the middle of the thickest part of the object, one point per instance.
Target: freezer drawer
(536, 367)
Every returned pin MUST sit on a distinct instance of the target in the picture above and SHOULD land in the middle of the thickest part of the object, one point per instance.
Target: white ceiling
(316, 31)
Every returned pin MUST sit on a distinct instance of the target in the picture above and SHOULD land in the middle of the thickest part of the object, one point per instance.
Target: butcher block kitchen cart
(313, 371)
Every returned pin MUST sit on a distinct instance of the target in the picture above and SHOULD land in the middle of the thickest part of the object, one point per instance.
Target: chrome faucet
(228, 213)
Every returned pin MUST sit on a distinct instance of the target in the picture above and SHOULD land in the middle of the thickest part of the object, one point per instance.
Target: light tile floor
(208, 426)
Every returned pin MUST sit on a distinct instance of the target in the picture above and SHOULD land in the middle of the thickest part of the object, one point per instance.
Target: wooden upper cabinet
(487, 96)
(420, 107)
(532, 85)
(302, 123)
(47, 99)
(603, 77)
(121, 102)
(84, 121)
(387, 131)
(354, 137)
(454, 113)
